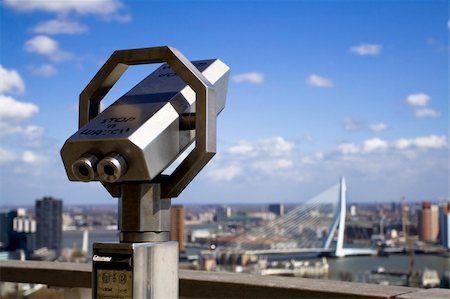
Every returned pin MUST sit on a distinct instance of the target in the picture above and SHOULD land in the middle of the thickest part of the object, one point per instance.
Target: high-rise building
(277, 209)
(223, 213)
(49, 223)
(6, 228)
(18, 231)
(24, 236)
(428, 222)
(444, 220)
(177, 225)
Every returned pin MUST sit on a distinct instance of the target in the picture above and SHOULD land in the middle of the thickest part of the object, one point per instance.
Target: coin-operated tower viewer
(127, 147)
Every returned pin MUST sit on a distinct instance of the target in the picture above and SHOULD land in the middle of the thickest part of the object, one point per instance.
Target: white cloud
(59, 26)
(426, 112)
(317, 157)
(378, 127)
(275, 147)
(271, 166)
(350, 124)
(13, 110)
(418, 99)
(100, 7)
(448, 24)
(319, 81)
(242, 148)
(402, 143)
(226, 173)
(27, 157)
(399, 164)
(431, 141)
(366, 49)
(10, 81)
(45, 70)
(423, 142)
(31, 133)
(47, 46)
(253, 77)
(374, 144)
(7, 156)
(42, 44)
(268, 156)
(31, 157)
(348, 148)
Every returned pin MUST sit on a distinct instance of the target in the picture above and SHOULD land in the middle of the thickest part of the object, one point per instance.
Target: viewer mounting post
(128, 146)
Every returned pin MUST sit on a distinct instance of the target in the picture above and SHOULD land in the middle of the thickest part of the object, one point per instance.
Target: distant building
(223, 213)
(24, 236)
(277, 209)
(177, 225)
(23, 223)
(18, 231)
(396, 207)
(428, 222)
(261, 215)
(6, 228)
(444, 220)
(49, 223)
(353, 210)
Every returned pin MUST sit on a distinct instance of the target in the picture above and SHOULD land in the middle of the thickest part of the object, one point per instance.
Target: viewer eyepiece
(84, 168)
(111, 168)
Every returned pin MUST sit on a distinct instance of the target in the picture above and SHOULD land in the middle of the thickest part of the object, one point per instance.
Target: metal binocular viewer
(128, 146)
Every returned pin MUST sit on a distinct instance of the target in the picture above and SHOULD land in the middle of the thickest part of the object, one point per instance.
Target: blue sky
(318, 89)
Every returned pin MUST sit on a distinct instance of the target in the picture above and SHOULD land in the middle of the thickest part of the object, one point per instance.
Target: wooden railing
(201, 284)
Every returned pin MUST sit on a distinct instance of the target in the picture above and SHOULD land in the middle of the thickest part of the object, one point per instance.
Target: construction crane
(406, 225)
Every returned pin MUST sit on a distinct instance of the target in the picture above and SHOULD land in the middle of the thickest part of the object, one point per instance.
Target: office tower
(6, 228)
(17, 231)
(49, 223)
(24, 235)
(444, 220)
(428, 222)
(177, 225)
(396, 207)
(277, 209)
(223, 213)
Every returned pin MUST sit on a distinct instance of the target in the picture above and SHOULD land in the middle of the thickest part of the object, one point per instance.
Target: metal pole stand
(145, 263)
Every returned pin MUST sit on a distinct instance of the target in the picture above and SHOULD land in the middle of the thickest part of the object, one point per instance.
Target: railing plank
(49, 273)
(201, 284)
(426, 294)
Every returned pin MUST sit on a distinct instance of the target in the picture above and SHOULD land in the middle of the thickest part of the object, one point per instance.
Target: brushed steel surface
(145, 126)
(152, 266)
(141, 210)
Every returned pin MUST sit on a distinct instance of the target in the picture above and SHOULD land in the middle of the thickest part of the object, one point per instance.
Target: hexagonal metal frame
(205, 107)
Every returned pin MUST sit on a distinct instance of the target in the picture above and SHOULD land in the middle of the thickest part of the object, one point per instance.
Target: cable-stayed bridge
(317, 226)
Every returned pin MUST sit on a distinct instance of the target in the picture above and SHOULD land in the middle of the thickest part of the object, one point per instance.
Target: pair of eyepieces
(109, 169)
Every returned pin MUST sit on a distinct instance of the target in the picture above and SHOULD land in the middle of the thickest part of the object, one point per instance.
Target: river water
(74, 239)
(359, 267)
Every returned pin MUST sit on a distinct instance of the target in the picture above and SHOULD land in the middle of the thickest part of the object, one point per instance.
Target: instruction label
(111, 126)
(117, 284)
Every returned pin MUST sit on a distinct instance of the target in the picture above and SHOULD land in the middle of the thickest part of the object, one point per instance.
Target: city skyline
(317, 90)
